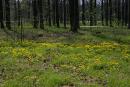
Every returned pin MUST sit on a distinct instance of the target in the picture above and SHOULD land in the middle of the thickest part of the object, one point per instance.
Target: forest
(64, 43)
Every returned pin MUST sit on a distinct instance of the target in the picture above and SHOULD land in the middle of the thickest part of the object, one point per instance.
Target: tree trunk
(83, 12)
(91, 12)
(106, 12)
(49, 13)
(119, 12)
(35, 14)
(129, 14)
(1, 14)
(74, 15)
(57, 13)
(54, 11)
(95, 12)
(110, 5)
(40, 6)
(102, 11)
(19, 13)
(7, 7)
(64, 3)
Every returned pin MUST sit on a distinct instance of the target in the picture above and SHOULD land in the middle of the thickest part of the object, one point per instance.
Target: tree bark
(74, 15)
(7, 7)
(35, 14)
(83, 12)
(1, 14)
(49, 13)
(64, 3)
(40, 6)
(57, 13)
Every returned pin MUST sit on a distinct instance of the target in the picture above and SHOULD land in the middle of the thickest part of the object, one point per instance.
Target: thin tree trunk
(7, 6)
(40, 6)
(110, 5)
(57, 13)
(1, 14)
(95, 12)
(129, 14)
(106, 12)
(64, 3)
(35, 14)
(102, 11)
(49, 13)
(119, 12)
(91, 13)
(83, 12)
(54, 12)
(19, 13)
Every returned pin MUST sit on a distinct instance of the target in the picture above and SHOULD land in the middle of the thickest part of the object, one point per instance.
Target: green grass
(95, 57)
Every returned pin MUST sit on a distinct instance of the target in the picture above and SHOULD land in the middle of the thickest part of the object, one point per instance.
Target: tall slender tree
(106, 12)
(110, 6)
(35, 14)
(7, 7)
(19, 12)
(1, 14)
(95, 12)
(49, 12)
(119, 11)
(102, 11)
(57, 13)
(128, 14)
(64, 3)
(74, 15)
(91, 12)
(54, 11)
(40, 7)
(123, 15)
(83, 12)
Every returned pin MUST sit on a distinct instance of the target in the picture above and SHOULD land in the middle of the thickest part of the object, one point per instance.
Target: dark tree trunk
(106, 12)
(110, 5)
(49, 13)
(123, 13)
(95, 12)
(54, 11)
(7, 7)
(126, 12)
(74, 15)
(83, 12)
(57, 14)
(91, 12)
(119, 11)
(35, 14)
(19, 13)
(129, 14)
(40, 6)
(1, 14)
(61, 10)
(64, 3)
(15, 7)
(102, 11)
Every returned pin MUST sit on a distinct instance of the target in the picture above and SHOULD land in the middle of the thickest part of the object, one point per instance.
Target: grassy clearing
(95, 57)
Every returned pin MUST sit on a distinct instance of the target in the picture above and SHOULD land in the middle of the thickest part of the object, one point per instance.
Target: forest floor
(55, 57)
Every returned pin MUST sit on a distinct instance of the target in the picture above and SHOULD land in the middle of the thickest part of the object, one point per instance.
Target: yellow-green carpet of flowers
(59, 64)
